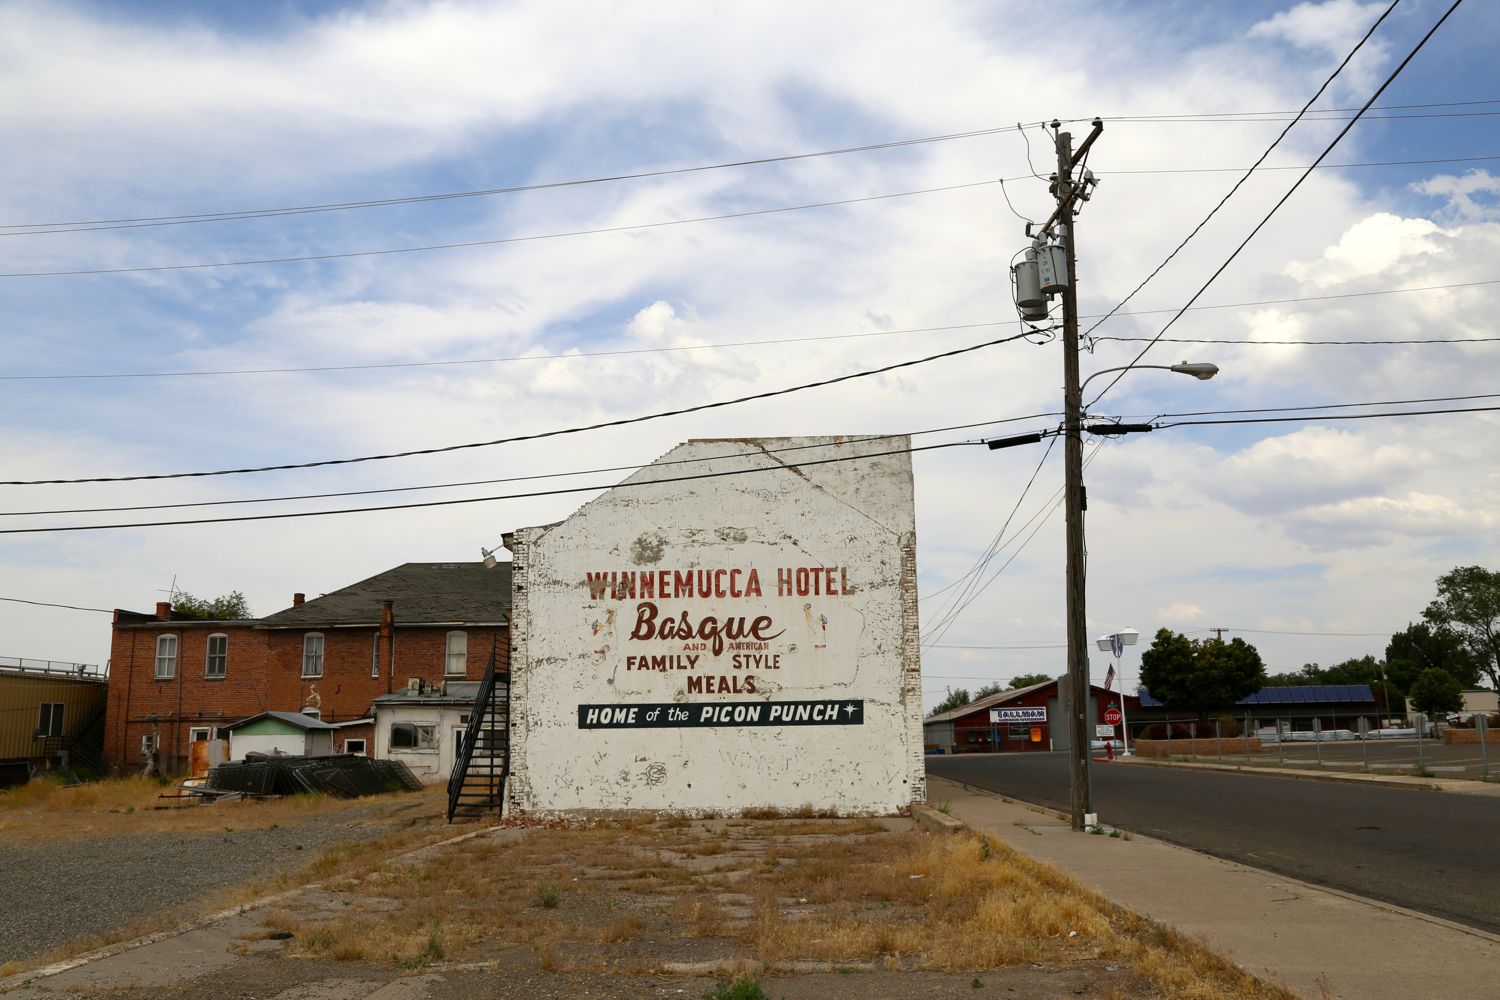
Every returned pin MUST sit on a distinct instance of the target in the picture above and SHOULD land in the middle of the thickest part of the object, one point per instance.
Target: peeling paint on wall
(726, 643)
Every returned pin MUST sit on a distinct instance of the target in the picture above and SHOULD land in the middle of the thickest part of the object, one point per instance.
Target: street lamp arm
(1197, 369)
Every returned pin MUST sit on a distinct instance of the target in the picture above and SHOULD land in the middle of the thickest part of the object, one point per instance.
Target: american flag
(1109, 678)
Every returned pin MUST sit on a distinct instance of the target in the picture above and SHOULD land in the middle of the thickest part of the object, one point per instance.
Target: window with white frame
(458, 654)
(166, 657)
(50, 721)
(375, 656)
(313, 713)
(413, 736)
(200, 734)
(148, 744)
(312, 654)
(354, 746)
(217, 661)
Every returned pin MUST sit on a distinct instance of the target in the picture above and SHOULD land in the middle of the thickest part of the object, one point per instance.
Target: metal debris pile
(344, 776)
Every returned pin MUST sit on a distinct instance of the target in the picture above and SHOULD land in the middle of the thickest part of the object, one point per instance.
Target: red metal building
(1025, 719)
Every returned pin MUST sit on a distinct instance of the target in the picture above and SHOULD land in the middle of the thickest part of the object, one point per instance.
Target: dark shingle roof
(425, 594)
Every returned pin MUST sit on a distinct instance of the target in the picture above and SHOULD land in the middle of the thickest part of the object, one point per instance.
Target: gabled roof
(989, 701)
(464, 593)
(290, 718)
(1297, 694)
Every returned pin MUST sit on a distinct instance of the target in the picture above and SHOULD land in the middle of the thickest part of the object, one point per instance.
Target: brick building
(1022, 719)
(176, 678)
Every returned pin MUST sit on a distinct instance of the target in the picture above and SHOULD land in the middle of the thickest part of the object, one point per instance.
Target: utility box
(714, 645)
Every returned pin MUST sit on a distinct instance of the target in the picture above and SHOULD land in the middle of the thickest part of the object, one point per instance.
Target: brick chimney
(388, 641)
(164, 610)
(297, 600)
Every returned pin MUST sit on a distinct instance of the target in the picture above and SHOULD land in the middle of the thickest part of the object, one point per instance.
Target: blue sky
(129, 111)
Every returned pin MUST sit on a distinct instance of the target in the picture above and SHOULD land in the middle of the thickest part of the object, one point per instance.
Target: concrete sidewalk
(1318, 942)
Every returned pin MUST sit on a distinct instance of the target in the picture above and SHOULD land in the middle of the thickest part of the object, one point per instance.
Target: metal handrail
(471, 736)
(56, 668)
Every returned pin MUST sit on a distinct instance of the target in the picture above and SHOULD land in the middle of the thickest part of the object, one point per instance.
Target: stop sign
(1112, 716)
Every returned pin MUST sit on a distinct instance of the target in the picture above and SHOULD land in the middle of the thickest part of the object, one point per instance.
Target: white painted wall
(573, 646)
(311, 744)
(431, 766)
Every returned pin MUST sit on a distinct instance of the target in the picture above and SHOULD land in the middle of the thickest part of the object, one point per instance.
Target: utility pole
(1218, 633)
(1075, 503)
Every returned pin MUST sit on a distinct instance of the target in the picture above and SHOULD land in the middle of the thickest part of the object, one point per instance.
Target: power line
(48, 604)
(274, 212)
(1240, 183)
(948, 614)
(1290, 191)
(514, 479)
(1330, 416)
(525, 437)
(572, 355)
(1315, 111)
(520, 357)
(1407, 342)
(469, 244)
(488, 192)
(1335, 406)
(1268, 631)
(1263, 169)
(468, 500)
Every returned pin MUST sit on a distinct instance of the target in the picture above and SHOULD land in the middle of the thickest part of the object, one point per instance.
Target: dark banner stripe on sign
(847, 712)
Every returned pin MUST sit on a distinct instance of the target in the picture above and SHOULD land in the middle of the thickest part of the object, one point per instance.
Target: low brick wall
(1200, 747)
(1469, 736)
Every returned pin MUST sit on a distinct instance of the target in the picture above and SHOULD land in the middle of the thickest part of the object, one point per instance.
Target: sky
(576, 304)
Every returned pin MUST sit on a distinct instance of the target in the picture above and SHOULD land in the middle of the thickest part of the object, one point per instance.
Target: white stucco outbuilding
(732, 627)
(280, 733)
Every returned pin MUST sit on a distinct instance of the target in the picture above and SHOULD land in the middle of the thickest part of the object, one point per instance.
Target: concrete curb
(935, 820)
(20, 979)
(1458, 787)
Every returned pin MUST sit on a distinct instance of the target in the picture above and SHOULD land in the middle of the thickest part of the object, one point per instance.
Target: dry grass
(121, 807)
(843, 892)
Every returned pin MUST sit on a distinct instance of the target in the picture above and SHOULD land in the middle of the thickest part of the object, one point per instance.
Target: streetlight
(1115, 643)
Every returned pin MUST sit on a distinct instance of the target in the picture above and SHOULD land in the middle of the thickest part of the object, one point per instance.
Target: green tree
(1026, 680)
(1200, 675)
(1468, 603)
(1419, 646)
(992, 688)
(230, 607)
(957, 697)
(1436, 691)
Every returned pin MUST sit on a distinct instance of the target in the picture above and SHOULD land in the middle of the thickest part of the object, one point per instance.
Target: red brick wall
(263, 673)
(189, 698)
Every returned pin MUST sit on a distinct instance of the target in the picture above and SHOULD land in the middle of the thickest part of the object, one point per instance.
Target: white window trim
(461, 655)
(363, 745)
(432, 726)
(375, 656)
(148, 743)
(207, 731)
(319, 656)
(171, 660)
(208, 657)
(313, 713)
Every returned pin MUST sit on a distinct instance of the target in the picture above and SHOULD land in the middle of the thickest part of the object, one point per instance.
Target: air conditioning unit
(414, 686)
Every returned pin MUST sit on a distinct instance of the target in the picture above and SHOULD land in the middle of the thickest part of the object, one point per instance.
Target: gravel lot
(51, 893)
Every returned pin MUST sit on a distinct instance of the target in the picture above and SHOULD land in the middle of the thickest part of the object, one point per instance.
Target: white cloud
(1262, 524)
(1471, 196)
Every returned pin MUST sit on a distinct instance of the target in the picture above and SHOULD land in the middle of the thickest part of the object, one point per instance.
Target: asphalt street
(1430, 851)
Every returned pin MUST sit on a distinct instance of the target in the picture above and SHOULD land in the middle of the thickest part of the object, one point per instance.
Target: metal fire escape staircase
(477, 786)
